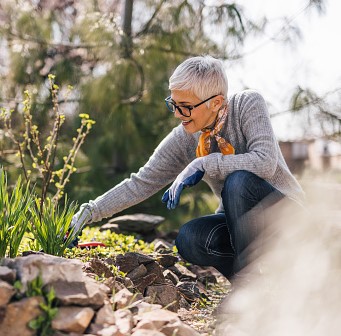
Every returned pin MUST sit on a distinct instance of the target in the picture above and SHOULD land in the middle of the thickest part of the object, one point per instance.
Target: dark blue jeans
(221, 240)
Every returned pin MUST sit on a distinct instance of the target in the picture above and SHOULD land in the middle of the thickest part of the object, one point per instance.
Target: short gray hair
(204, 76)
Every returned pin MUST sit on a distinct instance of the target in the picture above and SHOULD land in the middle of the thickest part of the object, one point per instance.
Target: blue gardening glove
(79, 220)
(189, 177)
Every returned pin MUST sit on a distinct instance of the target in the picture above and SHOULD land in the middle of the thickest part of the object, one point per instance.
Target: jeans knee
(237, 182)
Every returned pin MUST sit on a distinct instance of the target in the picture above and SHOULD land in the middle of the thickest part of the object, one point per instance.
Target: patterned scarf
(204, 144)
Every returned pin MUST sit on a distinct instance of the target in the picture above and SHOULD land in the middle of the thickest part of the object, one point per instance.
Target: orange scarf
(204, 144)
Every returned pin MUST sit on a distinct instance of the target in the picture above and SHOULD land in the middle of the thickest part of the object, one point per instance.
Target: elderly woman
(227, 142)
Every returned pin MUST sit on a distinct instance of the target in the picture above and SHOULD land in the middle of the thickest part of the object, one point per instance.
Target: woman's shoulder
(248, 94)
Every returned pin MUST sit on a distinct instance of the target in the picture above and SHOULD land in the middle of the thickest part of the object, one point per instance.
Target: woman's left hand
(189, 177)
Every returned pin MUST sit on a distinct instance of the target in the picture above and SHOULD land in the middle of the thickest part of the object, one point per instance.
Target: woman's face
(201, 116)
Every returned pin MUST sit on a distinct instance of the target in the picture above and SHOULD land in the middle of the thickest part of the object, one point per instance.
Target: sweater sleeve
(254, 123)
(163, 166)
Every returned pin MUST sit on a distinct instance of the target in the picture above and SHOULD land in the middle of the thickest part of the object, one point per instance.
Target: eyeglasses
(184, 110)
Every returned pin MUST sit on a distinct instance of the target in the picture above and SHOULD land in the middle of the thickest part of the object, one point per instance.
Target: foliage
(50, 226)
(42, 324)
(116, 243)
(14, 214)
(42, 147)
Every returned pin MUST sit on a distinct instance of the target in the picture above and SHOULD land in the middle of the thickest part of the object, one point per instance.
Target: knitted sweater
(247, 128)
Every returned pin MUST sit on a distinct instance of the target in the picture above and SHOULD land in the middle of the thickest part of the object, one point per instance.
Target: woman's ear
(217, 103)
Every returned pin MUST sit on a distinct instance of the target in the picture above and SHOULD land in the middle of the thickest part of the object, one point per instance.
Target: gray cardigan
(248, 129)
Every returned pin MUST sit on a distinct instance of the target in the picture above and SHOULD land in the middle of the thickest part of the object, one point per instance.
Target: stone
(167, 260)
(51, 269)
(138, 272)
(7, 274)
(113, 285)
(124, 321)
(140, 307)
(73, 319)
(85, 293)
(19, 314)
(183, 273)
(155, 320)
(145, 281)
(126, 282)
(178, 328)
(109, 331)
(6, 292)
(123, 298)
(126, 262)
(112, 227)
(205, 276)
(165, 295)
(189, 290)
(139, 223)
(162, 246)
(147, 332)
(154, 268)
(100, 268)
(105, 315)
(169, 275)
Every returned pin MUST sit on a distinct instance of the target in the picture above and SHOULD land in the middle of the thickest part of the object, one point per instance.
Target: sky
(275, 69)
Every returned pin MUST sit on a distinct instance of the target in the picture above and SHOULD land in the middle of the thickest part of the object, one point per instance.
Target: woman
(227, 142)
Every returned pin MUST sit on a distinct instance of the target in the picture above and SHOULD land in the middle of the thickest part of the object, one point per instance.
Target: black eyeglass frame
(170, 104)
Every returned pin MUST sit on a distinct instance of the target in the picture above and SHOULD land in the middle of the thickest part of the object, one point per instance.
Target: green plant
(42, 324)
(14, 214)
(37, 150)
(50, 225)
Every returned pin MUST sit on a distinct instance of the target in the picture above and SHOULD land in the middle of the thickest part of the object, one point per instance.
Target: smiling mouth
(186, 122)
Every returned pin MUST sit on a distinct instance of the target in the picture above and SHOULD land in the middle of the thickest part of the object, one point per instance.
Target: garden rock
(124, 321)
(169, 275)
(73, 319)
(123, 298)
(145, 281)
(100, 268)
(82, 293)
(167, 260)
(105, 315)
(165, 295)
(6, 292)
(138, 272)
(51, 268)
(183, 273)
(189, 290)
(146, 332)
(139, 223)
(17, 316)
(7, 274)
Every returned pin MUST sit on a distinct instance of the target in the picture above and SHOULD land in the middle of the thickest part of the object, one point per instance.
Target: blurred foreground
(292, 286)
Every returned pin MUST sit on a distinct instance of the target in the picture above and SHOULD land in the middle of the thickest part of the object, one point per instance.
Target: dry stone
(142, 283)
(138, 272)
(140, 223)
(6, 292)
(169, 275)
(126, 262)
(183, 273)
(18, 314)
(154, 268)
(73, 319)
(124, 321)
(178, 328)
(123, 298)
(7, 274)
(146, 332)
(105, 315)
(167, 260)
(113, 285)
(155, 320)
(165, 295)
(100, 268)
(84, 293)
(49, 267)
